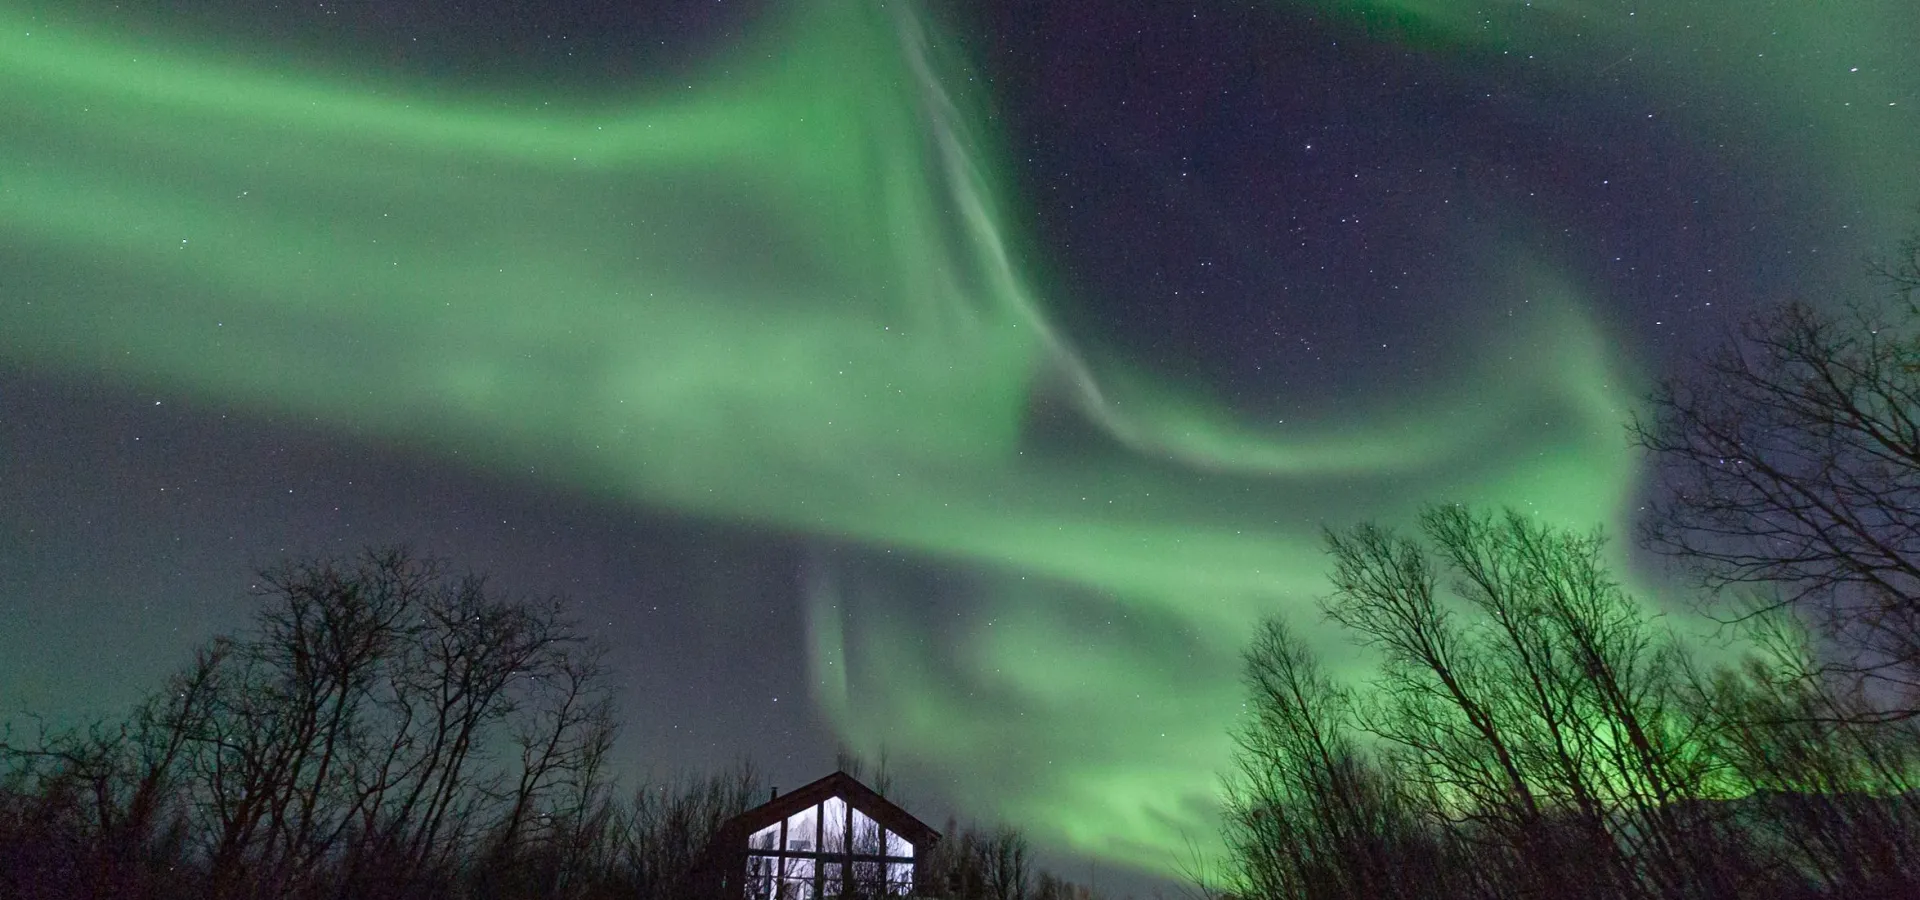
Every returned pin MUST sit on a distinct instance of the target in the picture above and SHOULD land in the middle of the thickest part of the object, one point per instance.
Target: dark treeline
(387, 730)
(1530, 730)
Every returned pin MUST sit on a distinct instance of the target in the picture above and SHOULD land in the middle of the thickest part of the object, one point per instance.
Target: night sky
(958, 379)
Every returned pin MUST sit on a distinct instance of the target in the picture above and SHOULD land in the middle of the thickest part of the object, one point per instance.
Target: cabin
(835, 837)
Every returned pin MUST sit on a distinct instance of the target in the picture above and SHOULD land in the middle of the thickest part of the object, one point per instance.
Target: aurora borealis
(1015, 356)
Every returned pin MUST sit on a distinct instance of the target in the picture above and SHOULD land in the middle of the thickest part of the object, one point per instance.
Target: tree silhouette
(1530, 731)
(389, 730)
(383, 725)
(1790, 476)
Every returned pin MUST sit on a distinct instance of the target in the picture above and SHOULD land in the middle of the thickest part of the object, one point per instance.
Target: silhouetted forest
(1532, 730)
(387, 730)
(1528, 728)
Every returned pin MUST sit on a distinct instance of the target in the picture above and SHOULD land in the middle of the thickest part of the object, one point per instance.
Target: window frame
(780, 858)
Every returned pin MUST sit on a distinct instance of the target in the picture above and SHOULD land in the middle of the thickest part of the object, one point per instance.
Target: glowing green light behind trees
(794, 293)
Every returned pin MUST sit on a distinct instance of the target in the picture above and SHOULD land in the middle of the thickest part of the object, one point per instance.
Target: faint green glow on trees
(796, 293)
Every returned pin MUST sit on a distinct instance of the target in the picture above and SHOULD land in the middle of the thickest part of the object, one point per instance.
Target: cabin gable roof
(846, 787)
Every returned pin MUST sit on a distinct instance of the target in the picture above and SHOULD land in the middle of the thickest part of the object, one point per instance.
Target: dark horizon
(760, 398)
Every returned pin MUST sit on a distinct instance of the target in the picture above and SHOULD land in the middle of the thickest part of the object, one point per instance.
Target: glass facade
(828, 850)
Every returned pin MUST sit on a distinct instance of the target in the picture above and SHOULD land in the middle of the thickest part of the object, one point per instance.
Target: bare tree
(383, 727)
(1828, 790)
(1790, 464)
(1307, 814)
(1596, 689)
(979, 863)
(1006, 864)
(1440, 697)
(1536, 734)
(671, 823)
(1532, 701)
(93, 811)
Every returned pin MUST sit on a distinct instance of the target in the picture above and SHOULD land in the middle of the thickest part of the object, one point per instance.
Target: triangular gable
(846, 787)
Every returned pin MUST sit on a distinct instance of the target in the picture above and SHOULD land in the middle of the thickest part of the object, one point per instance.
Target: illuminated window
(827, 850)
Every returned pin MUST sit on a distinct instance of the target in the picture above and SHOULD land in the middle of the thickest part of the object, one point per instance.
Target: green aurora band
(791, 294)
